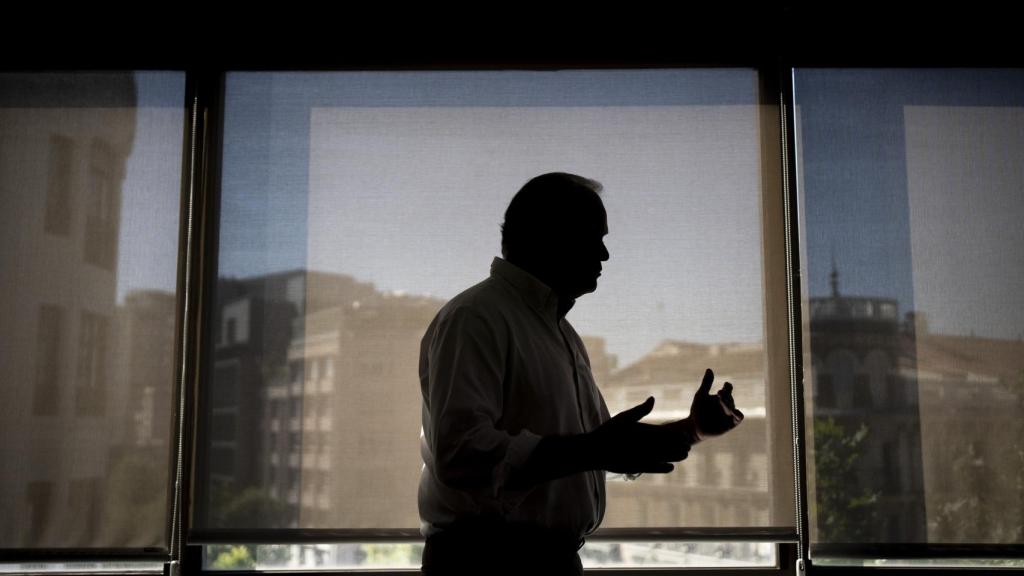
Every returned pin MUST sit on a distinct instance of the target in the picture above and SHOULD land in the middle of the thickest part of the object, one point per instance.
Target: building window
(39, 496)
(84, 509)
(724, 473)
(102, 214)
(896, 391)
(49, 360)
(224, 392)
(224, 428)
(60, 177)
(92, 378)
(862, 392)
(223, 463)
(231, 331)
(826, 393)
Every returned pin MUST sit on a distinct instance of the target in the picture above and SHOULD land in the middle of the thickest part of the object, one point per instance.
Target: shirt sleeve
(467, 359)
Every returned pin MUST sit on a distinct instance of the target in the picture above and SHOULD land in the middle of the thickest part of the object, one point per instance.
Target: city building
(863, 382)
(63, 151)
(971, 393)
(361, 404)
(723, 481)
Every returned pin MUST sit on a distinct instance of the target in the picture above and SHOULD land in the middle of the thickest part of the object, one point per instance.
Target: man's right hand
(625, 445)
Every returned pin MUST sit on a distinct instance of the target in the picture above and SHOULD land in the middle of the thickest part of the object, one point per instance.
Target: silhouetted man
(516, 436)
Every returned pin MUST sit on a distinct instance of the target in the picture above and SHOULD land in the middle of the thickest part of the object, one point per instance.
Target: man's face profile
(582, 253)
(572, 259)
(554, 228)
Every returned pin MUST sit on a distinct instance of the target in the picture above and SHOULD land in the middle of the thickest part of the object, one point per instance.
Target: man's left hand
(713, 414)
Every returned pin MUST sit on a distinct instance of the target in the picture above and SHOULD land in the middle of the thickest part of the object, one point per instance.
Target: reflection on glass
(932, 563)
(376, 556)
(408, 556)
(678, 554)
(90, 177)
(355, 204)
(912, 205)
(82, 567)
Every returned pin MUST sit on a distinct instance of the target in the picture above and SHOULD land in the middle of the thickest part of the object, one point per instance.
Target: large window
(353, 205)
(90, 179)
(238, 389)
(913, 194)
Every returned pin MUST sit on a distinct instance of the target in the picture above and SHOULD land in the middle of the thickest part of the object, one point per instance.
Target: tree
(232, 557)
(846, 512)
(136, 509)
(232, 506)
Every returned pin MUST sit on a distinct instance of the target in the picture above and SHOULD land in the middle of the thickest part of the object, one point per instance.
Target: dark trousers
(500, 549)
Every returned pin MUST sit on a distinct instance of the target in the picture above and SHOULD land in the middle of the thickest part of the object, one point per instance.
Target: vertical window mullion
(793, 306)
(197, 258)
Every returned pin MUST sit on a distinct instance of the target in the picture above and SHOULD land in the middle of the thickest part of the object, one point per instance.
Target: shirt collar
(536, 293)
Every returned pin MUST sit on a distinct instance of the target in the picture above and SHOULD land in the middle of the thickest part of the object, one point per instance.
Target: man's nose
(604, 253)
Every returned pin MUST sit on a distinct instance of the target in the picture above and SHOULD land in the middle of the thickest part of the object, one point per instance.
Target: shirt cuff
(518, 452)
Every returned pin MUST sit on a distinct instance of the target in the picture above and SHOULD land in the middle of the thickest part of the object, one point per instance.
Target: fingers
(680, 454)
(661, 468)
(651, 468)
(705, 384)
(730, 411)
(637, 412)
(725, 394)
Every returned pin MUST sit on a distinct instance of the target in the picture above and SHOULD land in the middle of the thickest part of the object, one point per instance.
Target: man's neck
(565, 303)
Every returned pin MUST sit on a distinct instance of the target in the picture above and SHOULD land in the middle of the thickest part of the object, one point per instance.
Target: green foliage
(232, 506)
(275, 554)
(846, 512)
(249, 507)
(232, 557)
(391, 554)
(985, 505)
(136, 510)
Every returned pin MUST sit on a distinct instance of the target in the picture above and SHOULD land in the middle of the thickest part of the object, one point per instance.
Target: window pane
(355, 204)
(409, 555)
(112, 567)
(931, 563)
(90, 178)
(911, 189)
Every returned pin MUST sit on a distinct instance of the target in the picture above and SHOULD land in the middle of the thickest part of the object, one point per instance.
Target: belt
(488, 540)
(479, 529)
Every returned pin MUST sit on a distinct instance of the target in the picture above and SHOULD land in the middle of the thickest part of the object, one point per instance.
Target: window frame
(777, 253)
(197, 272)
(70, 378)
(845, 555)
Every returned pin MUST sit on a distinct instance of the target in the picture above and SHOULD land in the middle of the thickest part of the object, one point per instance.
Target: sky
(151, 190)
(401, 179)
(681, 191)
(897, 168)
(965, 216)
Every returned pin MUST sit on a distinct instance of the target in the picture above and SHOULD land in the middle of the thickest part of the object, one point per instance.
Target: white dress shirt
(499, 369)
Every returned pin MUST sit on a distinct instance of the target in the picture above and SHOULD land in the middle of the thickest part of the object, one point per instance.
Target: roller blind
(353, 205)
(90, 177)
(913, 194)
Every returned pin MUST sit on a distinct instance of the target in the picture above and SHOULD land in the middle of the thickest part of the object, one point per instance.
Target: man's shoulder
(481, 309)
(488, 297)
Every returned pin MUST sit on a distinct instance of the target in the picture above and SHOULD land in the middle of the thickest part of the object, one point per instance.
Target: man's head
(554, 229)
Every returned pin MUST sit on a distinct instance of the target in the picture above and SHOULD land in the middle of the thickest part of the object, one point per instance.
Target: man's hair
(544, 205)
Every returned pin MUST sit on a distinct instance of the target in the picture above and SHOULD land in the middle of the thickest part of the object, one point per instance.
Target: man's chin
(587, 289)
